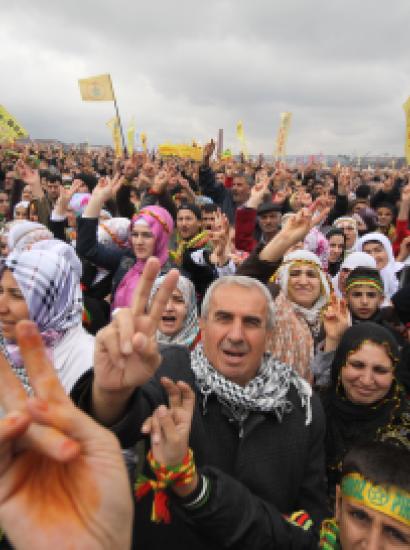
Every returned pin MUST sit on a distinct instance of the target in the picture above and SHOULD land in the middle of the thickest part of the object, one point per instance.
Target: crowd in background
(279, 299)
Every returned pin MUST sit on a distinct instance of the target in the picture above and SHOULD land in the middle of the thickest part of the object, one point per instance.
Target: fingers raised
(163, 295)
(143, 289)
(42, 375)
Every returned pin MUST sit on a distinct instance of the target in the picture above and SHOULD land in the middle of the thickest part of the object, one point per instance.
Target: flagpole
(119, 119)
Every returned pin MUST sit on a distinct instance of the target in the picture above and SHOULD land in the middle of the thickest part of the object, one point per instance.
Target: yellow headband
(388, 500)
(365, 282)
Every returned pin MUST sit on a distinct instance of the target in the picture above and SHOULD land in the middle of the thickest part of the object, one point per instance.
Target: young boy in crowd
(364, 293)
(372, 500)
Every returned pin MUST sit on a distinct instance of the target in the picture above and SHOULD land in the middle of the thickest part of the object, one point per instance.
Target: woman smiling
(365, 399)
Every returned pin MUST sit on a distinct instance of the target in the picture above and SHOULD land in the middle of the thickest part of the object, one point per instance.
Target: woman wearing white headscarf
(355, 259)
(24, 234)
(379, 246)
(43, 284)
(305, 292)
(179, 321)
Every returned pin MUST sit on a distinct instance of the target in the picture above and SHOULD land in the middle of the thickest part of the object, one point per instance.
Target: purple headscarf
(161, 225)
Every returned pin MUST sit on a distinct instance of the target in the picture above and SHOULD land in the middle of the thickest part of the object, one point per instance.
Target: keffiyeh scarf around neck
(267, 392)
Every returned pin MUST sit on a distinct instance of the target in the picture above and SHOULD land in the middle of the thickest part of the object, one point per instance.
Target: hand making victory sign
(63, 483)
(126, 351)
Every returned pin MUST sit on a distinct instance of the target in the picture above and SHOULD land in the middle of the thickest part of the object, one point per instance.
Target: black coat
(275, 468)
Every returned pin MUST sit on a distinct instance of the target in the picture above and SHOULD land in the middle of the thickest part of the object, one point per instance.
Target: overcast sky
(186, 68)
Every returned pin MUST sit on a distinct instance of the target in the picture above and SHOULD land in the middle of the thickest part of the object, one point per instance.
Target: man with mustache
(257, 431)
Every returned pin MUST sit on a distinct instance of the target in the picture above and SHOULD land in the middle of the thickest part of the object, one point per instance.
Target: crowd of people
(226, 341)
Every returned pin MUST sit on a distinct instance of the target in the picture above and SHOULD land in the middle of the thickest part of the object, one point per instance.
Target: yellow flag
(114, 126)
(240, 134)
(181, 150)
(131, 137)
(96, 88)
(280, 150)
(10, 129)
(406, 108)
(143, 137)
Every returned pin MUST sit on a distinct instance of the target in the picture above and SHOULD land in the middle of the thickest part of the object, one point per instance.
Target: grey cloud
(184, 69)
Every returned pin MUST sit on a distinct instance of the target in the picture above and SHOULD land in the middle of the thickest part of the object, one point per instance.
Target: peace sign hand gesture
(126, 352)
(63, 483)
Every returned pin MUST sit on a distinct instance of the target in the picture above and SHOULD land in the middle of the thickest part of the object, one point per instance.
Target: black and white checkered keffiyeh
(267, 392)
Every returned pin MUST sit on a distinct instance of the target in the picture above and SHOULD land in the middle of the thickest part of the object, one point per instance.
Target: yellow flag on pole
(143, 137)
(10, 129)
(114, 126)
(131, 137)
(280, 150)
(240, 134)
(96, 88)
(406, 108)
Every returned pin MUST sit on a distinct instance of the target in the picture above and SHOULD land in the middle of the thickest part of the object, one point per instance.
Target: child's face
(362, 527)
(364, 301)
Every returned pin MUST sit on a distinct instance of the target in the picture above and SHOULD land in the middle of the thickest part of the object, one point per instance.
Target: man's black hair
(382, 462)
(363, 191)
(194, 208)
(209, 208)
(54, 178)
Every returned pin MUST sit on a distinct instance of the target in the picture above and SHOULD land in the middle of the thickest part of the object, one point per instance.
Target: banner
(96, 88)
(180, 150)
(131, 137)
(143, 137)
(10, 129)
(114, 126)
(406, 108)
(280, 150)
(240, 134)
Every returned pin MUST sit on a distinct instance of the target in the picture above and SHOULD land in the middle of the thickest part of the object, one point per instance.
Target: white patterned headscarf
(311, 315)
(24, 234)
(48, 276)
(114, 233)
(190, 329)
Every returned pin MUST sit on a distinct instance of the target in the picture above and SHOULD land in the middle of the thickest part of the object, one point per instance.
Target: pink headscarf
(161, 225)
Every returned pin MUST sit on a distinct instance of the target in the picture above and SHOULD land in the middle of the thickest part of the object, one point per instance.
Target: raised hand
(298, 225)
(160, 181)
(169, 427)
(63, 483)
(126, 352)
(258, 192)
(320, 208)
(405, 194)
(336, 320)
(209, 149)
(27, 174)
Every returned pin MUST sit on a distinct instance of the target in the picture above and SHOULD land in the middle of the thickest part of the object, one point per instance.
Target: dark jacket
(116, 261)
(218, 193)
(275, 468)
